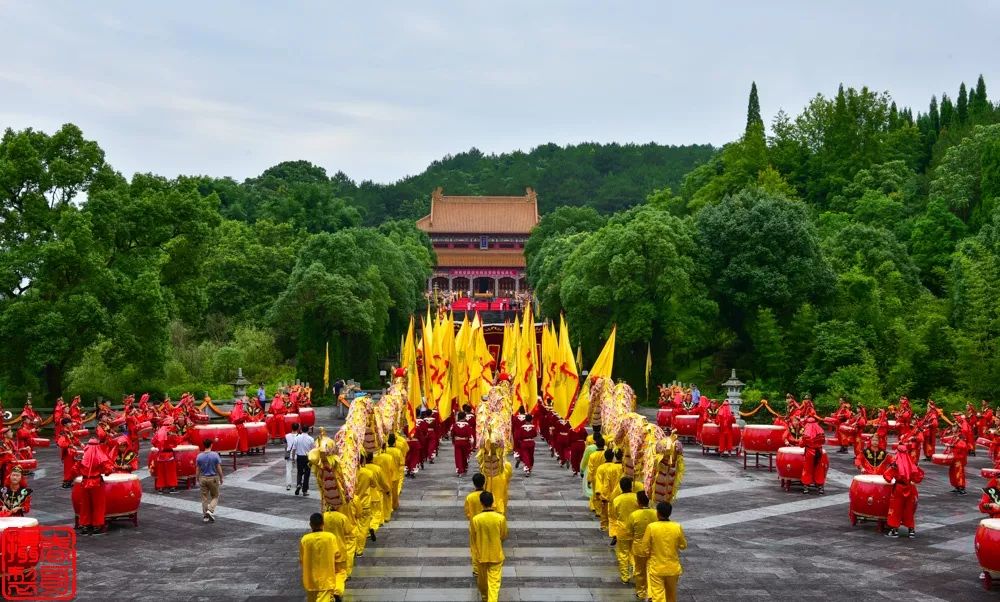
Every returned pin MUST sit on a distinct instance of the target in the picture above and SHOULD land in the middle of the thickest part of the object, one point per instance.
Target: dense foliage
(849, 250)
(110, 285)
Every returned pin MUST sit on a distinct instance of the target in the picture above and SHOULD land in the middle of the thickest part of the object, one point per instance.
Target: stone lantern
(240, 386)
(734, 387)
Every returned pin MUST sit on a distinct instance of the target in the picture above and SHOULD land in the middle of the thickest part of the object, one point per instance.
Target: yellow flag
(566, 378)
(409, 361)
(550, 353)
(579, 355)
(528, 378)
(427, 352)
(459, 365)
(602, 367)
(445, 353)
(326, 369)
(482, 373)
(649, 367)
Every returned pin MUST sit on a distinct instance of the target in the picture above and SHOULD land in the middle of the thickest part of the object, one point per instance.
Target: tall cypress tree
(935, 117)
(962, 105)
(979, 104)
(947, 111)
(753, 109)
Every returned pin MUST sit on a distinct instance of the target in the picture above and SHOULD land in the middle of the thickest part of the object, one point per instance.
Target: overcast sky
(381, 89)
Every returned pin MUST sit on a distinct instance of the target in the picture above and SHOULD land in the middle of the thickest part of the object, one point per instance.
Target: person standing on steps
(301, 446)
(473, 506)
(209, 479)
(487, 531)
(634, 530)
(290, 455)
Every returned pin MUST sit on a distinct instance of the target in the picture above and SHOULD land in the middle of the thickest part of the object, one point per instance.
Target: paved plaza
(748, 540)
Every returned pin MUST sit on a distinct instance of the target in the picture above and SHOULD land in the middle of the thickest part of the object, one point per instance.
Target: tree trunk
(53, 382)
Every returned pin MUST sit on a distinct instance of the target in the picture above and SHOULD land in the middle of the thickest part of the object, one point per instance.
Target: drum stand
(757, 455)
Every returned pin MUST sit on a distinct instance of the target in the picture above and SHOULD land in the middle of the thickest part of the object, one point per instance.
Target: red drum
(763, 438)
(664, 416)
(81, 432)
(307, 417)
(291, 419)
(28, 465)
(122, 494)
(847, 430)
(832, 441)
(710, 435)
(18, 563)
(685, 425)
(200, 418)
(943, 459)
(892, 425)
(988, 547)
(145, 428)
(186, 456)
(256, 434)
(989, 473)
(224, 437)
(790, 460)
(984, 442)
(40, 442)
(869, 498)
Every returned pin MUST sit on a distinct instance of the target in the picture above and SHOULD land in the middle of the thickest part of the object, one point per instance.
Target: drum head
(120, 477)
(990, 523)
(871, 478)
(792, 450)
(10, 522)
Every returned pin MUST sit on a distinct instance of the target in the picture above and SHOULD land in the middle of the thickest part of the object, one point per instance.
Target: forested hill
(607, 177)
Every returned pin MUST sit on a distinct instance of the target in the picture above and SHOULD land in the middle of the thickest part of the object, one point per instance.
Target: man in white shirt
(300, 447)
(290, 455)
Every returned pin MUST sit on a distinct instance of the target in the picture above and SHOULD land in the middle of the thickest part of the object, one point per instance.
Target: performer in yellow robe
(390, 472)
(363, 508)
(487, 531)
(337, 523)
(318, 557)
(621, 507)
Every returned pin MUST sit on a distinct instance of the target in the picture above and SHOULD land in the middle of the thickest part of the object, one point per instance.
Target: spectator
(209, 479)
(289, 455)
(260, 394)
(301, 446)
(661, 544)
(318, 555)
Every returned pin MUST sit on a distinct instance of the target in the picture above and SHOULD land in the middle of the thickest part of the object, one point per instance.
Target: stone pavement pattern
(748, 540)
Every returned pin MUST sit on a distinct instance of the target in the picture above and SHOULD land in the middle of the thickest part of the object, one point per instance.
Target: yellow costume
(399, 458)
(621, 508)
(605, 481)
(662, 543)
(317, 555)
(363, 506)
(472, 504)
(339, 525)
(487, 531)
(593, 463)
(390, 472)
(498, 486)
(634, 529)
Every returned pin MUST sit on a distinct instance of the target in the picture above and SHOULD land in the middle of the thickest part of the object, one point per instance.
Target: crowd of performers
(113, 445)
(891, 442)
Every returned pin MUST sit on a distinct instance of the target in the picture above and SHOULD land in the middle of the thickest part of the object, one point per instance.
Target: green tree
(753, 110)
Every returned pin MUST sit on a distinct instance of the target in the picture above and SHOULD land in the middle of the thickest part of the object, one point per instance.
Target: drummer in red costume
(238, 417)
(92, 467)
(524, 441)
(69, 447)
(904, 475)
(871, 460)
(165, 462)
(930, 429)
(461, 435)
(726, 422)
(15, 496)
(126, 459)
(8, 453)
(815, 463)
(956, 471)
(276, 419)
(882, 428)
(842, 417)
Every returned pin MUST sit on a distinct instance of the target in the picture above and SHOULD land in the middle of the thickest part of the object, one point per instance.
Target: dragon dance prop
(336, 460)
(493, 429)
(650, 456)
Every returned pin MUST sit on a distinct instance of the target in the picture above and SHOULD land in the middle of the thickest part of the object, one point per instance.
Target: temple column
(517, 285)
(430, 284)
(450, 282)
(496, 287)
